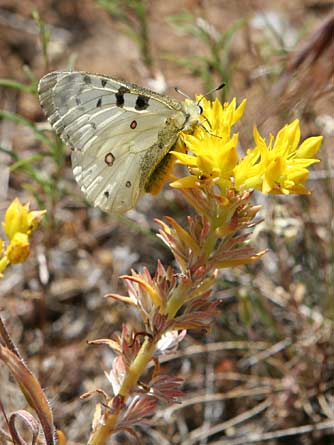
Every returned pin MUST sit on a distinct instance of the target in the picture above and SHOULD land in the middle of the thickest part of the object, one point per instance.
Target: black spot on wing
(128, 184)
(120, 95)
(142, 102)
(99, 103)
(119, 99)
(103, 82)
(87, 79)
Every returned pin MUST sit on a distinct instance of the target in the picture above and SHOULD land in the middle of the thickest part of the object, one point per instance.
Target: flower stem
(102, 432)
(137, 367)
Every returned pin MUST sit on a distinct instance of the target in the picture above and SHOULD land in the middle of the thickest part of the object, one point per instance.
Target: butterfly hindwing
(116, 130)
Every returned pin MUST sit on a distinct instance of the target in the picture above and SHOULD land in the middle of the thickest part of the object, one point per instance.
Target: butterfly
(119, 133)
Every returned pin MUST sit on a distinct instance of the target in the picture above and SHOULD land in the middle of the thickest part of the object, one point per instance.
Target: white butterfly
(118, 132)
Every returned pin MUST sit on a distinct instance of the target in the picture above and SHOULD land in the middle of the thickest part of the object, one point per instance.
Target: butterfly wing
(118, 133)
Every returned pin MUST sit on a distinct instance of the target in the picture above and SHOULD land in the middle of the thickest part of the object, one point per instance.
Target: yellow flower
(211, 160)
(212, 151)
(211, 155)
(279, 167)
(218, 119)
(18, 224)
(18, 248)
(18, 218)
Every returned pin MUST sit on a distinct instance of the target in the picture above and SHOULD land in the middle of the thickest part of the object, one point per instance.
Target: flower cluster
(18, 225)
(277, 167)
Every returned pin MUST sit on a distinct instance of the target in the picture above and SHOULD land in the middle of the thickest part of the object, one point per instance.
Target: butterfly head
(193, 111)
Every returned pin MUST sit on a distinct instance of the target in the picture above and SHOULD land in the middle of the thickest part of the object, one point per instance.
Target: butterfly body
(118, 132)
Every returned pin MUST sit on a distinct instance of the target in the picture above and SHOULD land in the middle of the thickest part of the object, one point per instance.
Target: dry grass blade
(247, 415)
(288, 432)
(312, 65)
(319, 43)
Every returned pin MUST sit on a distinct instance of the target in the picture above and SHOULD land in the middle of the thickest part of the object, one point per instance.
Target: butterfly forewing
(118, 133)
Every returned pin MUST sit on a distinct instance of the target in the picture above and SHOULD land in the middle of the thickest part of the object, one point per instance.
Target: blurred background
(264, 374)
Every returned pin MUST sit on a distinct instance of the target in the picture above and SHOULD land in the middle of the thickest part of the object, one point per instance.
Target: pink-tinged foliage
(166, 388)
(137, 412)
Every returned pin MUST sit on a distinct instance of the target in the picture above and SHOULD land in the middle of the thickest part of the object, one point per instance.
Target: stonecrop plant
(219, 188)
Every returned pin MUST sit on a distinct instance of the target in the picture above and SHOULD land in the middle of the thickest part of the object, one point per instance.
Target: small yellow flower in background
(18, 225)
(18, 218)
(18, 249)
(279, 167)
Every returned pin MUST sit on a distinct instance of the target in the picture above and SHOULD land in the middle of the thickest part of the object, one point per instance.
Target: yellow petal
(16, 219)
(184, 158)
(259, 140)
(287, 138)
(229, 156)
(309, 147)
(239, 111)
(299, 176)
(186, 182)
(18, 248)
(3, 264)
(299, 189)
(293, 134)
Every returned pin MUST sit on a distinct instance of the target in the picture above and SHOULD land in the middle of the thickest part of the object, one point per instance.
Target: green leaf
(27, 123)
(17, 85)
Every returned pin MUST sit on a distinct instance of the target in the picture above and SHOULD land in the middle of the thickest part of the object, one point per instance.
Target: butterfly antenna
(177, 89)
(207, 121)
(220, 87)
(198, 104)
